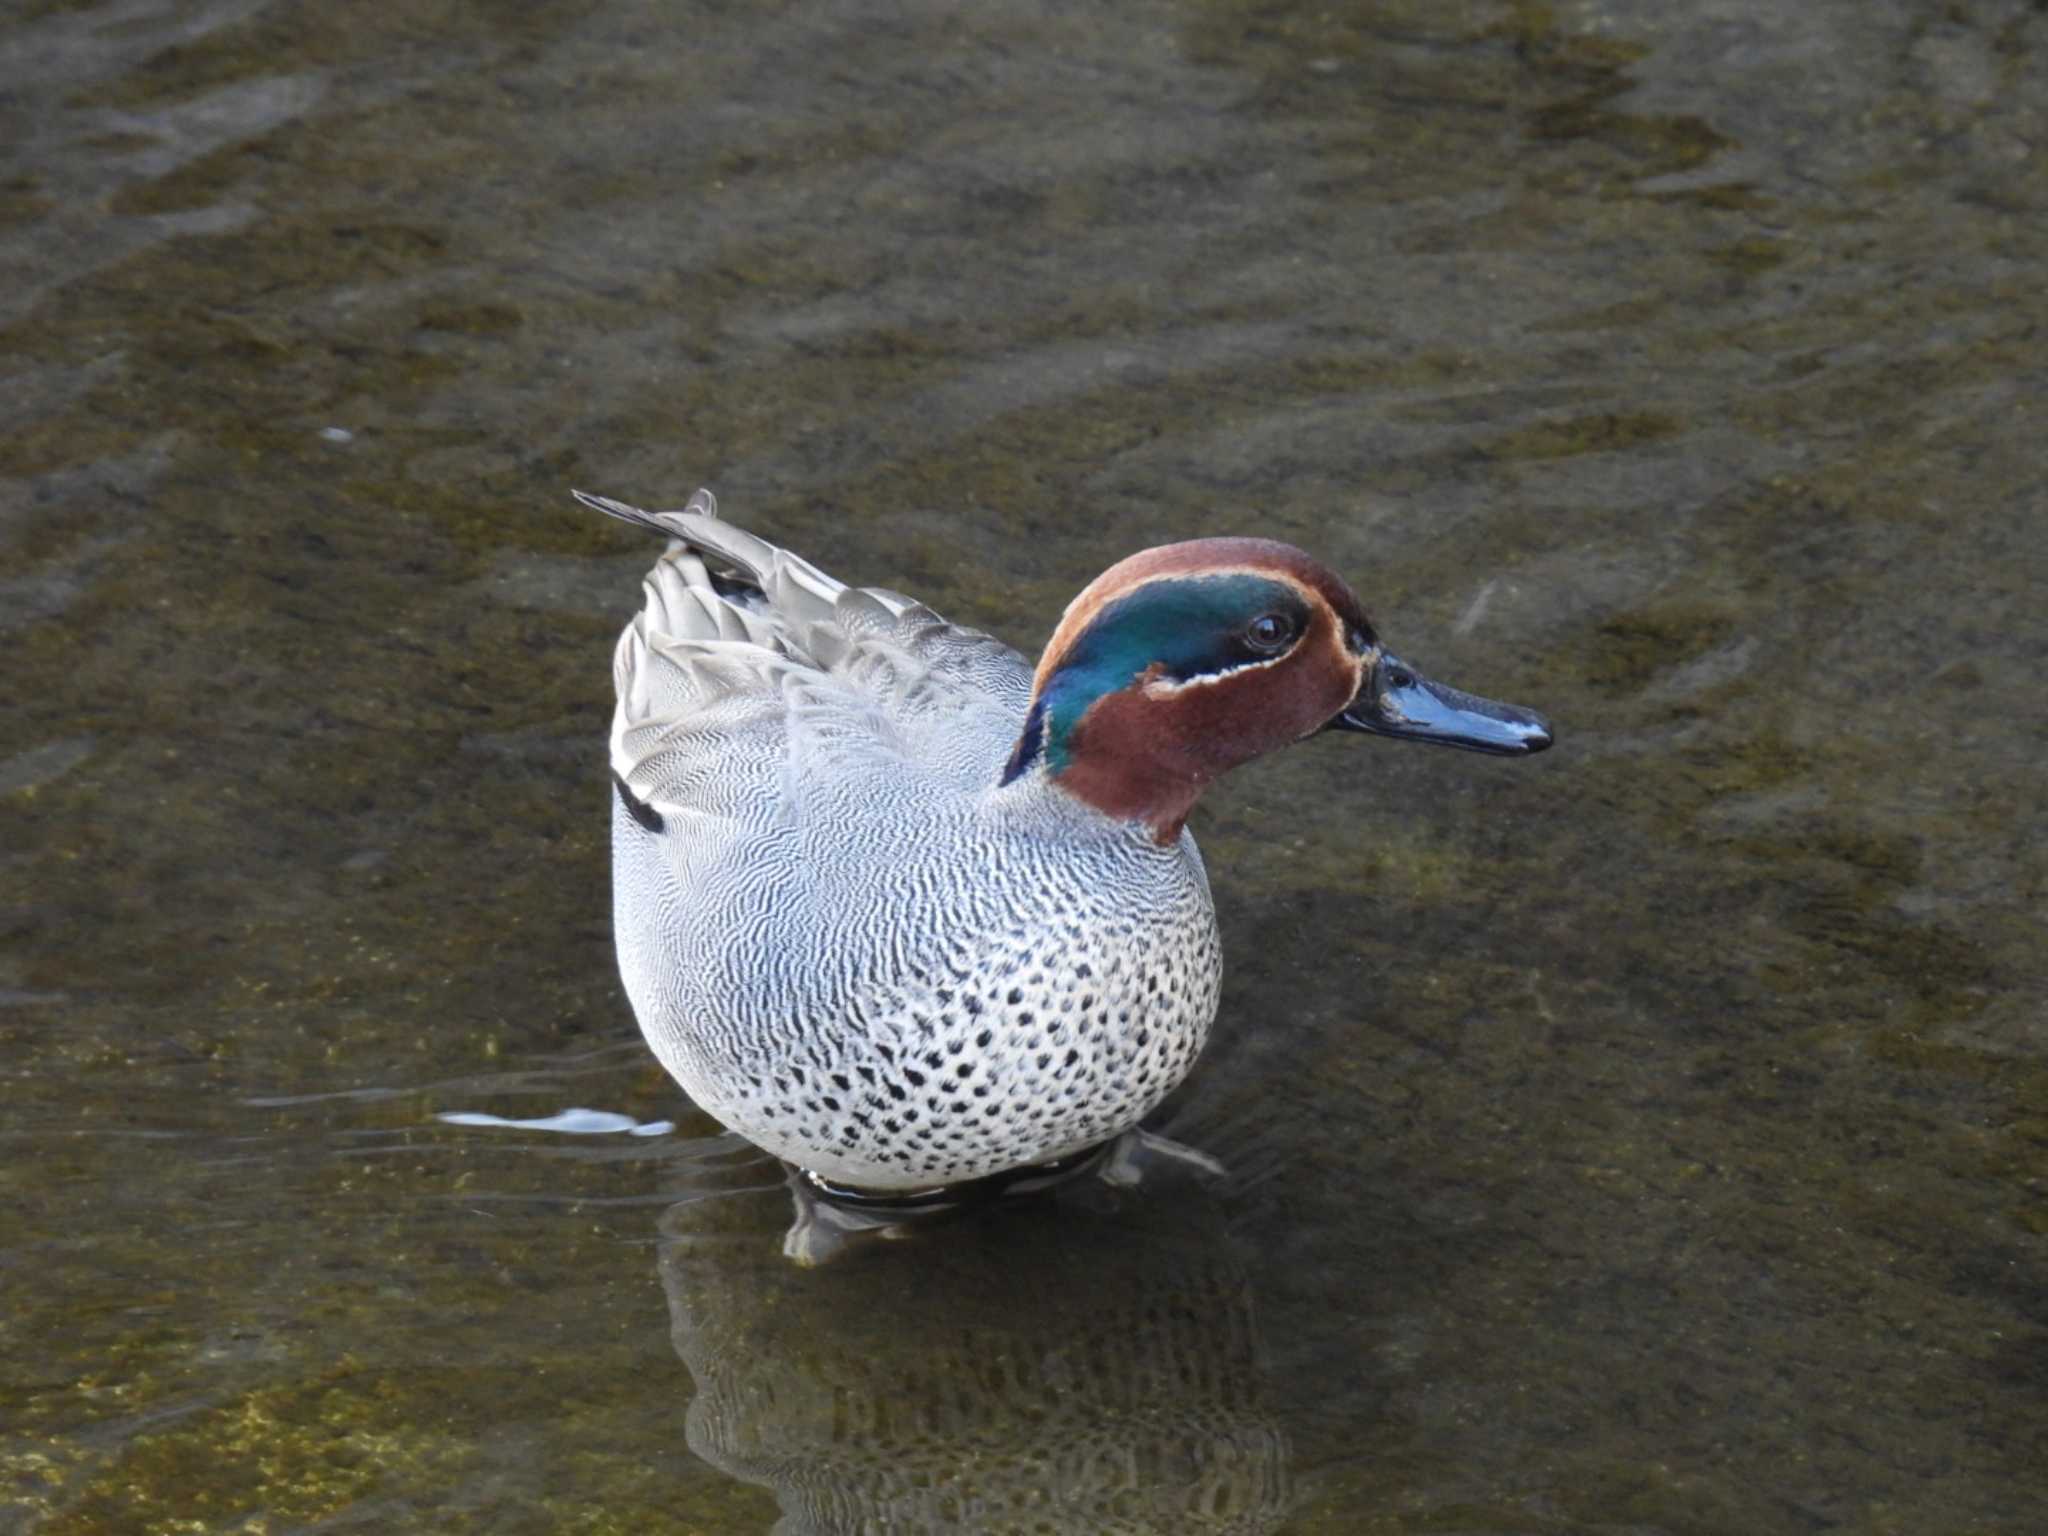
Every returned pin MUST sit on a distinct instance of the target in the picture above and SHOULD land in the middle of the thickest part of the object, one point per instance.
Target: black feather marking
(1028, 744)
(637, 808)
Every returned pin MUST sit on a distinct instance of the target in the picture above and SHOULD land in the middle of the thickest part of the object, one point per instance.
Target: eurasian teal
(906, 912)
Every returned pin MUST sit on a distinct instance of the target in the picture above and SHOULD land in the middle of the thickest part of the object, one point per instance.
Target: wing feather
(751, 677)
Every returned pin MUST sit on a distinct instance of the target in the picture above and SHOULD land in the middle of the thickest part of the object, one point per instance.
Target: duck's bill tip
(1399, 702)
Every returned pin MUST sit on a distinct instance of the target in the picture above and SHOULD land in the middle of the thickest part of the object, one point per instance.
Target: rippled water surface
(1651, 1137)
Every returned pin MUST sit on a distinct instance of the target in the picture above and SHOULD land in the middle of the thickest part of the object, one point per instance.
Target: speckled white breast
(987, 983)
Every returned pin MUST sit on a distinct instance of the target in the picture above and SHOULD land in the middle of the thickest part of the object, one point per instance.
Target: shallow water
(1649, 1137)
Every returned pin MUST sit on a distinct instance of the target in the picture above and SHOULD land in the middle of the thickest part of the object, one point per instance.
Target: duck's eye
(1269, 632)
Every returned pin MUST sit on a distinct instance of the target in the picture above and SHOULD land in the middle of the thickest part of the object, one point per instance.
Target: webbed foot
(1136, 1155)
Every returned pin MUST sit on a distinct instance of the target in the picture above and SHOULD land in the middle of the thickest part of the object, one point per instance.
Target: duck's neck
(1039, 802)
(1160, 808)
(1114, 762)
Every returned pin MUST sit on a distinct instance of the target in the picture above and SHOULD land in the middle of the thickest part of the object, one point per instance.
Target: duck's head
(1176, 665)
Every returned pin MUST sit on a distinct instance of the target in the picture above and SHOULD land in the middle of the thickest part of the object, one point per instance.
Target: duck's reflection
(1080, 1363)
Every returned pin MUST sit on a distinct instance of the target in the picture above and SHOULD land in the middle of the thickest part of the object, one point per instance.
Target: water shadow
(1086, 1362)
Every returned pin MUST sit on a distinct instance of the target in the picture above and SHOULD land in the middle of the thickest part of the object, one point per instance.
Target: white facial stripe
(1074, 623)
(1167, 687)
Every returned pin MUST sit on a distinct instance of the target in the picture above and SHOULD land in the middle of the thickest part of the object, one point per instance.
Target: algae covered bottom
(1650, 1136)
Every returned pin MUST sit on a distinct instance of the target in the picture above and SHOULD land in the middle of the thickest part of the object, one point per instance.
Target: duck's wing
(746, 660)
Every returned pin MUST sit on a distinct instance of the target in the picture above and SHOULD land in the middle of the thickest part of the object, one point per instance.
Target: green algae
(1628, 650)
(1612, 432)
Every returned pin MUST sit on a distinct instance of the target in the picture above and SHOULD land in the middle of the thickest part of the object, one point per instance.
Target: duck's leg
(822, 1229)
(830, 1218)
(1137, 1155)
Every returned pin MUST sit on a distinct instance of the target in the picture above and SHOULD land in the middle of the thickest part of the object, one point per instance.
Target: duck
(910, 912)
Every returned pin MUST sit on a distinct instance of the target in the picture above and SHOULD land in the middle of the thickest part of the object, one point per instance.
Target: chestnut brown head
(1181, 662)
